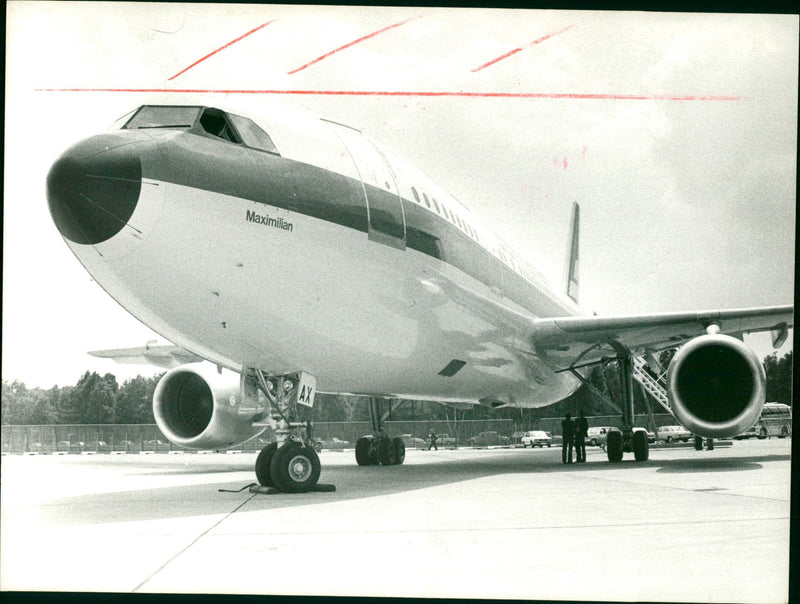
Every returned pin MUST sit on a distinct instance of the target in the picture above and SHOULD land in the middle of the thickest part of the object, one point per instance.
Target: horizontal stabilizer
(160, 355)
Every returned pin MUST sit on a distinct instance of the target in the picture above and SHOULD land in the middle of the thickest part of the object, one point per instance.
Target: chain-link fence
(101, 438)
(553, 424)
(123, 438)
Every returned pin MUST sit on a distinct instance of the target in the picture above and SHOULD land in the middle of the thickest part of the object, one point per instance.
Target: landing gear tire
(386, 454)
(295, 468)
(641, 448)
(364, 456)
(263, 463)
(698, 443)
(399, 450)
(614, 446)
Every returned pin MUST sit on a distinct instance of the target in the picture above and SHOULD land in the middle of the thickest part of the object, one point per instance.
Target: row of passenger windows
(442, 210)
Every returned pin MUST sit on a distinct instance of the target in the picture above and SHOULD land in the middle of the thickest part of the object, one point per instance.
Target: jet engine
(716, 386)
(198, 408)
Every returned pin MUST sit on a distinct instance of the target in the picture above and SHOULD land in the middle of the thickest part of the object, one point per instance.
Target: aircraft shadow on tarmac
(726, 464)
(352, 482)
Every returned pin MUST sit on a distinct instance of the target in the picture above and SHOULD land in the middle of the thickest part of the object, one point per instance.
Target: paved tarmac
(687, 525)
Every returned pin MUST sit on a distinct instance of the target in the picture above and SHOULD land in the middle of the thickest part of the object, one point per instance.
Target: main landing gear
(625, 439)
(379, 447)
(290, 464)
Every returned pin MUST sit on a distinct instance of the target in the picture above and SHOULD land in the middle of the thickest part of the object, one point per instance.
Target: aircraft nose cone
(93, 188)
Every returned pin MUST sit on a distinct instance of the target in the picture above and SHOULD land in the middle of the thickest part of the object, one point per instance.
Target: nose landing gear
(291, 464)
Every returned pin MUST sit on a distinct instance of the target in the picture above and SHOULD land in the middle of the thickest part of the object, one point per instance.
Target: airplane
(289, 251)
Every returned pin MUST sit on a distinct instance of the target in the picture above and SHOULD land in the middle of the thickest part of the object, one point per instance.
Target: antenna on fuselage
(571, 272)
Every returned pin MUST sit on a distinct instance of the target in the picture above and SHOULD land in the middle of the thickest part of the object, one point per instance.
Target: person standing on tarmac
(581, 432)
(433, 438)
(567, 438)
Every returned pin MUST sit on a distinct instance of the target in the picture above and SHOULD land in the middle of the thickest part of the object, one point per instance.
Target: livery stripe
(205, 163)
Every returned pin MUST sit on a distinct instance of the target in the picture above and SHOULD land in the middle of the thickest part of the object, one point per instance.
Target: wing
(571, 341)
(161, 355)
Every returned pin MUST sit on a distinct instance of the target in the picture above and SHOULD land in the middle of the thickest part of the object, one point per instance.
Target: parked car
(671, 434)
(155, 445)
(489, 439)
(412, 441)
(332, 444)
(536, 438)
(446, 440)
(596, 436)
(651, 437)
(99, 446)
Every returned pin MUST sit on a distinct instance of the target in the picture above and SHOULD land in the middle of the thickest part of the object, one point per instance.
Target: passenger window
(213, 121)
(436, 205)
(416, 195)
(425, 197)
(252, 134)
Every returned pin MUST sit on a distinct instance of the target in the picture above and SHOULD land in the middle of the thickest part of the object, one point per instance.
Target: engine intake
(716, 386)
(198, 408)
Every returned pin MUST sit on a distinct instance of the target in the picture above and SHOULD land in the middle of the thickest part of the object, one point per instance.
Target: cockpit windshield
(206, 121)
(158, 116)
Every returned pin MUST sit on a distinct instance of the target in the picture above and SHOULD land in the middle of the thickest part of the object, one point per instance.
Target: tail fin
(571, 273)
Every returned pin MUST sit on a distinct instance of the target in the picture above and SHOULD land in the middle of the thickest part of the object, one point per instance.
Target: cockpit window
(252, 134)
(155, 116)
(213, 121)
(201, 120)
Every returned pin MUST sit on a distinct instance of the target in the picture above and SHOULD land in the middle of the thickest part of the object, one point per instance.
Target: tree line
(99, 399)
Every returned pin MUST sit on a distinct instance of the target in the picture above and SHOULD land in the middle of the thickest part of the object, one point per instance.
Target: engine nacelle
(716, 386)
(198, 408)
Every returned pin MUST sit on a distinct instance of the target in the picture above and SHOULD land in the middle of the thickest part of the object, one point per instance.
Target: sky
(676, 132)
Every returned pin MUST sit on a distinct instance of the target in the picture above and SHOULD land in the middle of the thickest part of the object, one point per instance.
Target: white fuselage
(275, 284)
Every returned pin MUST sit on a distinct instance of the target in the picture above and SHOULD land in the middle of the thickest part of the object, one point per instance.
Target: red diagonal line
(252, 31)
(361, 39)
(516, 50)
(422, 93)
(500, 58)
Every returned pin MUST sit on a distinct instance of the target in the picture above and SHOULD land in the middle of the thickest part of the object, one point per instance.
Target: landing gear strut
(379, 447)
(290, 464)
(626, 439)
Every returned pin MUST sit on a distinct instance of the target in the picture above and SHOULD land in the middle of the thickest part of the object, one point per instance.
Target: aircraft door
(385, 208)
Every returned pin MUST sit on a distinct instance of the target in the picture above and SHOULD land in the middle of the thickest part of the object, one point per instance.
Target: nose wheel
(295, 468)
(290, 465)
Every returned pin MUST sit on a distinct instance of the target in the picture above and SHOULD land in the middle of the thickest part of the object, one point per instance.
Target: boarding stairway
(654, 386)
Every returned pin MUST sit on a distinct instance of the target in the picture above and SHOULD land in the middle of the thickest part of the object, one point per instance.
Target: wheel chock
(317, 488)
(324, 488)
